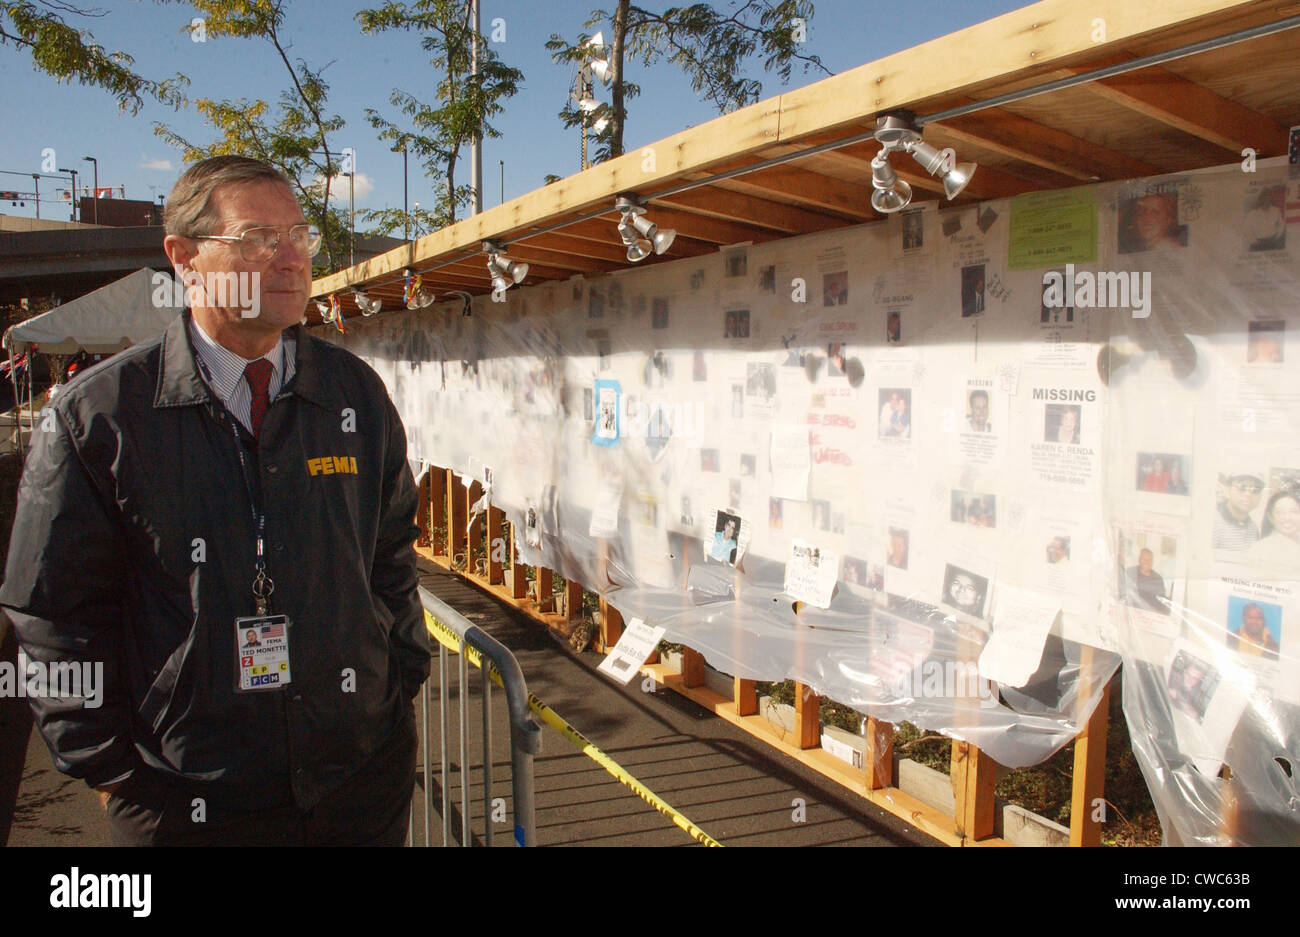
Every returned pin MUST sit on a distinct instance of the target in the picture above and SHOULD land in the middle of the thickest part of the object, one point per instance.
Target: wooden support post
(495, 545)
(692, 668)
(422, 520)
(807, 717)
(473, 550)
(611, 625)
(572, 600)
(1089, 783)
(746, 697)
(545, 585)
(878, 759)
(518, 571)
(974, 775)
(456, 539)
(438, 510)
(611, 622)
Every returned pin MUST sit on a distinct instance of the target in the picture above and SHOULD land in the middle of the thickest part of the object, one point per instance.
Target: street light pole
(95, 163)
(406, 215)
(352, 217)
(476, 145)
(73, 173)
(36, 180)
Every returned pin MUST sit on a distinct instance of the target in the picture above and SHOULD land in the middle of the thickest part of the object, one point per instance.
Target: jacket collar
(180, 384)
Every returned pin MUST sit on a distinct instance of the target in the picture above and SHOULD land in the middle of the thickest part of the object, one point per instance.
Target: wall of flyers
(987, 482)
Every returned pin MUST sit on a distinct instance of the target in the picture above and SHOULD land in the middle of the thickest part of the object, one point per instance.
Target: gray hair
(189, 209)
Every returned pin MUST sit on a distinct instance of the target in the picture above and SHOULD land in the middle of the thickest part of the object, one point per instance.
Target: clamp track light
(898, 131)
(641, 235)
(504, 271)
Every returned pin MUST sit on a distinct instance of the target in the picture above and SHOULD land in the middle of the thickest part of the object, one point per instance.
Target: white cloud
(146, 163)
(339, 189)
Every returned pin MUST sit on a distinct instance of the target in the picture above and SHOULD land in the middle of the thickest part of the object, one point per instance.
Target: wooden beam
(422, 512)
(604, 248)
(457, 514)
(572, 599)
(974, 775)
(1194, 109)
(878, 758)
(605, 231)
(746, 696)
(518, 571)
(692, 667)
(807, 717)
(470, 495)
(987, 56)
(717, 202)
(1088, 786)
(494, 516)
(712, 230)
(545, 589)
(530, 253)
(1029, 141)
(438, 509)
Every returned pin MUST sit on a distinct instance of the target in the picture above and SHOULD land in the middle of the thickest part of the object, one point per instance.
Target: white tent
(113, 317)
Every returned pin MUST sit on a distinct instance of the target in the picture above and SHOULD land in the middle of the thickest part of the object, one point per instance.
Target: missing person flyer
(1064, 433)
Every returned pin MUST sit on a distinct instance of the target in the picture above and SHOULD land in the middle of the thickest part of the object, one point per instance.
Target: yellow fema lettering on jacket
(332, 465)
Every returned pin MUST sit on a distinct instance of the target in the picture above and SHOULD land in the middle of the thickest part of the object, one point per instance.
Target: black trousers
(370, 809)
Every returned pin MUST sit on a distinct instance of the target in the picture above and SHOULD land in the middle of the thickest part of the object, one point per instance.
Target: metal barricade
(473, 644)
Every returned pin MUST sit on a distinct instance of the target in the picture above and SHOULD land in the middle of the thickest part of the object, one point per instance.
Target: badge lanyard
(263, 585)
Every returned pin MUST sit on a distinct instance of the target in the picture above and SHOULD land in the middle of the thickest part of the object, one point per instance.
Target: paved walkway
(735, 788)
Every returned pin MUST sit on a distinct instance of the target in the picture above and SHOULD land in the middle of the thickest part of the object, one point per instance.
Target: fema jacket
(134, 546)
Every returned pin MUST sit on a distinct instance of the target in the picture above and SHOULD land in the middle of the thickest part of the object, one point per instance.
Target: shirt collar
(180, 384)
(225, 369)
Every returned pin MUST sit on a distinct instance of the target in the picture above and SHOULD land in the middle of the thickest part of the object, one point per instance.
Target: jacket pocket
(158, 700)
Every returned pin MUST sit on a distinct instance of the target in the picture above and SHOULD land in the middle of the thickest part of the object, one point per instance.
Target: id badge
(262, 648)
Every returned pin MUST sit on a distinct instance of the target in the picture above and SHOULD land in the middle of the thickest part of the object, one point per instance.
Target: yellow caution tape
(550, 717)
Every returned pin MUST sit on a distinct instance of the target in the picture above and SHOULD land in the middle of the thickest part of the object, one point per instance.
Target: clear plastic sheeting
(949, 469)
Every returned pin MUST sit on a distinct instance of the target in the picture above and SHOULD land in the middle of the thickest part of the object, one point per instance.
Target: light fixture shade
(892, 194)
(663, 239)
(639, 250)
(600, 124)
(587, 104)
(367, 305)
(323, 308)
(887, 201)
(600, 68)
(955, 181)
(517, 271)
(597, 41)
(932, 161)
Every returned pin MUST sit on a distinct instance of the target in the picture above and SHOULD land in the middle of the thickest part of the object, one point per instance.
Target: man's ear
(180, 251)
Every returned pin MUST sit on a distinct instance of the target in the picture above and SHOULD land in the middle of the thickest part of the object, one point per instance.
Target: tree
(712, 47)
(71, 54)
(466, 101)
(297, 141)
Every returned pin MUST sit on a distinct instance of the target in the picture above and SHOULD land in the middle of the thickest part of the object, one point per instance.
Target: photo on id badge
(262, 647)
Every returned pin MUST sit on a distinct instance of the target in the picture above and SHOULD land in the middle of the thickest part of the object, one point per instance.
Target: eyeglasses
(258, 245)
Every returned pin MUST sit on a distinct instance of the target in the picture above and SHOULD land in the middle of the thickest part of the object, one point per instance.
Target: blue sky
(39, 112)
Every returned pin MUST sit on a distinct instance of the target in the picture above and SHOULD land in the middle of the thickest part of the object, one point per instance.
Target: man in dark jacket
(232, 476)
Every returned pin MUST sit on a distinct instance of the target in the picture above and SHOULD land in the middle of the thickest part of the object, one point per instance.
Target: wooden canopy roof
(800, 162)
